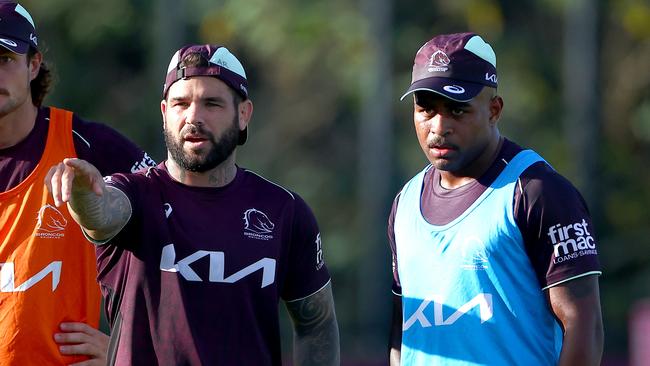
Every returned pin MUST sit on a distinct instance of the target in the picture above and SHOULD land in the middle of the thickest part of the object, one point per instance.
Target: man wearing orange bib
(49, 296)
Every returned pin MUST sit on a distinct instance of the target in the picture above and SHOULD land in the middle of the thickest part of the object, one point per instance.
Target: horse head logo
(257, 222)
(439, 58)
(50, 220)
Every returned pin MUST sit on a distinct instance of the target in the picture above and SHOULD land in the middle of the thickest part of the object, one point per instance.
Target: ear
(35, 65)
(163, 110)
(245, 111)
(496, 107)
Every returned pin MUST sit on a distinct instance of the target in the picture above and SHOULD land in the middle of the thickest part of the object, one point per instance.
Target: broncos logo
(439, 58)
(50, 220)
(257, 222)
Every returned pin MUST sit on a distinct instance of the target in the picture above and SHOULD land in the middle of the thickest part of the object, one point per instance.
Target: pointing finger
(67, 179)
(56, 184)
(48, 178)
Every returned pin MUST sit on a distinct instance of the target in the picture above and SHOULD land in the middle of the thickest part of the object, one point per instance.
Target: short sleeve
(397, 286)
(556, 227)
(130, 185)
(107, 149)
(307, 272)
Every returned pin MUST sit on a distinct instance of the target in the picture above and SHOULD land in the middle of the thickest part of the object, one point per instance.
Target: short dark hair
(41, 85)
(197, 60)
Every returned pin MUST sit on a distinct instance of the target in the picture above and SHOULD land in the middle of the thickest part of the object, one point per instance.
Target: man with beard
(195, 254)
(49, 296)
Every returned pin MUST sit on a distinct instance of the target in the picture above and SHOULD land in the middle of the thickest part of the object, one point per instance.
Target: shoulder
(95, 135)
(143, 177)
(106, 148)
(273, 194)
(541, 181)
(90, 130)
(267, 186)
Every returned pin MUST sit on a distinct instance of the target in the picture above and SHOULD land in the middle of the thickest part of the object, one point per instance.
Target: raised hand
(100, 209)
(73, 175)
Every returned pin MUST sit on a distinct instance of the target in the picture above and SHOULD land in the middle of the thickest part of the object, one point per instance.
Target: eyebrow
(453, 103)
(448, 103)
(204, 99)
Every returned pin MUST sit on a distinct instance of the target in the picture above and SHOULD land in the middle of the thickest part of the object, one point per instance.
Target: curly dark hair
(41, 85)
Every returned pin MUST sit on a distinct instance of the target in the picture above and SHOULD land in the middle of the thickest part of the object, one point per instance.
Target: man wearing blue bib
(494, 253)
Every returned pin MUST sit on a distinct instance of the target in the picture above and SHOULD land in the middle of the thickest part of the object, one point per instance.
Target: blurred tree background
(325, 77)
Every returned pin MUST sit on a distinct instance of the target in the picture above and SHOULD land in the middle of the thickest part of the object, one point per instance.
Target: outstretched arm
(395, 340)
(316, 332)
(576, 304)
(101, 210)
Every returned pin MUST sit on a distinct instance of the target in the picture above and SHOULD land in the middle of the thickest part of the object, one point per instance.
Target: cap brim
(458, 90)
(14, 46)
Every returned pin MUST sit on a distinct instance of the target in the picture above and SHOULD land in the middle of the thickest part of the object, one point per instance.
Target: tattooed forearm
(102, 216)
(316, 333)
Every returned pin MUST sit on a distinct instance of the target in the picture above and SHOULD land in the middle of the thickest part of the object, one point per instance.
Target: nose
(439, 125)
(193, 115)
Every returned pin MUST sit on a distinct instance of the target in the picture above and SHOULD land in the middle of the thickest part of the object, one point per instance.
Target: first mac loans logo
(257, 225)
(571, 241)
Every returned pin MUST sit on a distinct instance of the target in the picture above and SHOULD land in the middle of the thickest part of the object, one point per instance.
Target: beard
(200, 161)
(14, 101)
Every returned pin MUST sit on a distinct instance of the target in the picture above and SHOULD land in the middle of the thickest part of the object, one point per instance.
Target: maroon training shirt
(196, 276)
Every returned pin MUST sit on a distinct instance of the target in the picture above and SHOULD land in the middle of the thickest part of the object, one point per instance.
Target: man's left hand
(81, 339)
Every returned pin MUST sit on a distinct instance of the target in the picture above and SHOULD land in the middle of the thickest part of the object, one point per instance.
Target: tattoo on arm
(101, 216)
(316, 333)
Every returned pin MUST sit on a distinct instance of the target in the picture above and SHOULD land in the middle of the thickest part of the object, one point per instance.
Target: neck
(16, 125)
(452, 180)
(218, 176)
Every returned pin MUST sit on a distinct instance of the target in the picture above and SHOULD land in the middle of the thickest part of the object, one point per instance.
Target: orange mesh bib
(47, 267)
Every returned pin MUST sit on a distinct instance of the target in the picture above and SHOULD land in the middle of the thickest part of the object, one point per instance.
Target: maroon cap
(456, 66)
(221, 64)
(17, 29)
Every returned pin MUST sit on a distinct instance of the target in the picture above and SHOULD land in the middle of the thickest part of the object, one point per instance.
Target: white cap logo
(8, 42)
(454, 89)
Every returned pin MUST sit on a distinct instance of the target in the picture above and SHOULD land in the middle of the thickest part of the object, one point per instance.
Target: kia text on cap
(456, 66)
(17, 30)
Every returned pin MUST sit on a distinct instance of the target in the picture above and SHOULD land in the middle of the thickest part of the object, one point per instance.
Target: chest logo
(217, 267)
(50, 222)
(168, 209)
(8, 281)
(257, 225)
(481, 301)
(474, 256)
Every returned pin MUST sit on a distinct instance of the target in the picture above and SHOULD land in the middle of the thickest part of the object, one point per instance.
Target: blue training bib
(469, 292)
